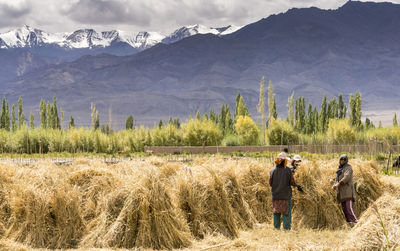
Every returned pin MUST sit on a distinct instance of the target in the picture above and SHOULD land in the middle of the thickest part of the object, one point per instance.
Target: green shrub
(281, 133)
(340, 132)
(247, 130)
(198, 132)
(231, 140)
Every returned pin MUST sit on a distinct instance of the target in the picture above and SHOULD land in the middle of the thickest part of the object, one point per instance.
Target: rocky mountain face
(310, 51)
(47, 48)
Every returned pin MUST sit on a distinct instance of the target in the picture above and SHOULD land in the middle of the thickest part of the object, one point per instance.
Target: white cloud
(150, 15)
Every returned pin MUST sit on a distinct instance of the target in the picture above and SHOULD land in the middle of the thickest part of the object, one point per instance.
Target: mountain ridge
(310, 51)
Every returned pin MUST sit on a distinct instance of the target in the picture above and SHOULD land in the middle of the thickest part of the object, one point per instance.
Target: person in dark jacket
(345, 189)
(281, 179)
(397, 162)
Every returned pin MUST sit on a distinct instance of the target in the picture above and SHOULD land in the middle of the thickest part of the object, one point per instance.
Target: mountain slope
(310, 51)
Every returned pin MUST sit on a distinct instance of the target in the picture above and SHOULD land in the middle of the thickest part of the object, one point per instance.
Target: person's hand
(335, 186)
(300, 188)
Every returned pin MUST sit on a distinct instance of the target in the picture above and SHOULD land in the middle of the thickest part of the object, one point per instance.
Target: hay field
(210, 203)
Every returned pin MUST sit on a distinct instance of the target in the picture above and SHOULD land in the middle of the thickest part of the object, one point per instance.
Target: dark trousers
(287, 218)
(348, 211)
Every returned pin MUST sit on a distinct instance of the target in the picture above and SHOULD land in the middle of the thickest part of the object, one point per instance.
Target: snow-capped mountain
(188, 31)
(89, 38)
(85, 38)
(27, 37)
(146, 39)
(26, 48)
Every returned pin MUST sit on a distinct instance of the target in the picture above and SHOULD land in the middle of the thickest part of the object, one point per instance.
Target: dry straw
(379, 226)
(153, 203)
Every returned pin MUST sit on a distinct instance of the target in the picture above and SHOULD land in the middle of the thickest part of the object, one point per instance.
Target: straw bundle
(93, 184)
(205, 203)
(140, 215)
(152, 203)
(45, 218)
(254, 180)
(379, 226)
(318, 207)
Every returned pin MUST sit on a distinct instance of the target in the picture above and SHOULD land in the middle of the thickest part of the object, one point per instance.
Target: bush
(341, 132)
(389, 134)
(281, 132)
(198, 132)
(247, 130)
(231, 140)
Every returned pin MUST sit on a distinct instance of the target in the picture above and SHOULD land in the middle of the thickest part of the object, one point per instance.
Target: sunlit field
(207, 203)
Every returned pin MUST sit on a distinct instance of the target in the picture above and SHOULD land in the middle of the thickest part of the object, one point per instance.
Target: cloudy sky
(143, 15)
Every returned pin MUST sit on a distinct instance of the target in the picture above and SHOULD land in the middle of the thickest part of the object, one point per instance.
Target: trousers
(348, 211)
(287, 218)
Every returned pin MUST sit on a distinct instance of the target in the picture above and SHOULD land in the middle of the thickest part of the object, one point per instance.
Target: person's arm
(346, 176)
(292, 181)
(270, 178)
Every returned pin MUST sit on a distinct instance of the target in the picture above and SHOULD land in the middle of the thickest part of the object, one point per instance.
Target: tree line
(335, 121)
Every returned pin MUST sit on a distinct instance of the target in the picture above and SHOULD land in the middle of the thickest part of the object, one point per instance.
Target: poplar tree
(71, 123)
(49, 113)
(358, 112)
(129, 122)
(3, 114)
(271, 101)
(274, 112)
(213, 116)
(342, 107)
(290, 106)
(323, 115)
(43, 117)
(21, 116)
(31, 121)
(221, 120)
(261, 106)
(309, 120)
(13, 121)
(228, 120)
(242, 108)
(97, 122)
(333, 109)
(235, 115)
(93, 115)
(395, 120)
(56, 122)
(352, 110)
(316, 125)
(7, 117)
(368, 123)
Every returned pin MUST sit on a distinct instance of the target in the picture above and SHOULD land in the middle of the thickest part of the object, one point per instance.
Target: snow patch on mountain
(89, 38)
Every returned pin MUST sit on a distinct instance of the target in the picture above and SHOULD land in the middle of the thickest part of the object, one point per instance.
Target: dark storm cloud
(108, 12)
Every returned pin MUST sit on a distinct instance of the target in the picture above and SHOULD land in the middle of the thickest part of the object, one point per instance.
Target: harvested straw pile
(317, 208)
(139, 215)
(93, 184)
(379, 226)
(162, 205)
(43, 212)
(205, 203)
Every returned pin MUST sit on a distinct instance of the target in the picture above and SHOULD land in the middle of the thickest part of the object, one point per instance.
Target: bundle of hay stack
(318, 208)
(379, 226)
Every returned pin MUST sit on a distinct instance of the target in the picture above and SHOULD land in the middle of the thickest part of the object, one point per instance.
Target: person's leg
(352, 215)
(277, 220)
(287, 218)
(345, 211)
(349, 211)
